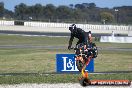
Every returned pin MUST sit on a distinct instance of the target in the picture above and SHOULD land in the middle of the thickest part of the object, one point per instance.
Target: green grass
(27, 60)
(43, 60)
(32, 40)
(50, 41)
(113, 61)
(40, 60)
(59, 78)
(114, 45)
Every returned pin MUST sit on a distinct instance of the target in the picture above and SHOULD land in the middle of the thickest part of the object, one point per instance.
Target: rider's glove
(69, 47)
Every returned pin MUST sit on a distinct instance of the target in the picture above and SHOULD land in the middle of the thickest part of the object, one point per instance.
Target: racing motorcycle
(83, 55)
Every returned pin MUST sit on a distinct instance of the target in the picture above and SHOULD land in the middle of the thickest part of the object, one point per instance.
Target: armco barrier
(65, 63)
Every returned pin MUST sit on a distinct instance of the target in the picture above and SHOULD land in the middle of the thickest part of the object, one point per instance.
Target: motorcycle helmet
(72, 27)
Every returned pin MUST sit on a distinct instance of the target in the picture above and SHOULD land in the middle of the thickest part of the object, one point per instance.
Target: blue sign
(67, 63)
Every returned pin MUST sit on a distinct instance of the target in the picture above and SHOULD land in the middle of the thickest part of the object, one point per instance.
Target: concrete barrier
(6, 23)
(113, 39)
(63, 27)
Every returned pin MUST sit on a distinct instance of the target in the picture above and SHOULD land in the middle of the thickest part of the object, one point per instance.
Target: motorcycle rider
(84, 37)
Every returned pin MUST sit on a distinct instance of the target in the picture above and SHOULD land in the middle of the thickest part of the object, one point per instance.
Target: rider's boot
(85, 76)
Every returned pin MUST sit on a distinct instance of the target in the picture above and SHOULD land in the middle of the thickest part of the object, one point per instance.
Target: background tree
(79, 6)
(78, 13)
(63, 12)
(37, 10)
(49, 11)
(124, 14)
(106, 16)
(92, 5)
(21, 11)
(8, 14)
(71, 6)
(1, 9)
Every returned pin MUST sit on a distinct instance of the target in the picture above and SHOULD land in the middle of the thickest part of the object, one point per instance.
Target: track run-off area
(59, 85)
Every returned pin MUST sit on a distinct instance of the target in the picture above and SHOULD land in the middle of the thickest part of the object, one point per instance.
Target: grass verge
(60, 78)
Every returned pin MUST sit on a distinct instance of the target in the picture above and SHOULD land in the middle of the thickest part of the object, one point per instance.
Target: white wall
(63, 27)
(130, 33)
(6, 23)
(113, 39)
(94, 28)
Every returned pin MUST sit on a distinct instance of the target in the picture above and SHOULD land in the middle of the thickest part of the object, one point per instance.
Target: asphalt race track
(60, 47)
(54, 73)
(51, 34)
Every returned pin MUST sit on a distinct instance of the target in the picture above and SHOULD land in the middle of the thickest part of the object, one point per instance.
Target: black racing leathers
(80, 34)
